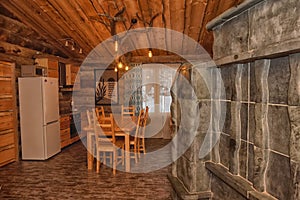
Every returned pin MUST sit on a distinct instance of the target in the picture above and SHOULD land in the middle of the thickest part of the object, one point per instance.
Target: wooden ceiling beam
(75, 22)
(84, 11)
(15, 32)
(59, 21)
(33, 22)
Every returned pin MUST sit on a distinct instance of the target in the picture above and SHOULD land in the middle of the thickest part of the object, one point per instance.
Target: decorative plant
(100, 90)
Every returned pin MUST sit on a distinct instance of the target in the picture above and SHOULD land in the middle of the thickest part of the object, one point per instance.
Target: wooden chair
(100, 112)
(135, 139)
(141, 146)
(106, 141)
(128, 110)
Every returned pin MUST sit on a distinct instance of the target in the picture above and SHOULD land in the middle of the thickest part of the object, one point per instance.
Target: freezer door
(50, 99)
(52, 139)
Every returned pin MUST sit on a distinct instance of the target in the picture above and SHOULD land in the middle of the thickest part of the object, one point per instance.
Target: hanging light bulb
(120, 65)
(67, 43)
(116, 45)
(126, 68)
(80, 50)
(116, 69)
(150, 53)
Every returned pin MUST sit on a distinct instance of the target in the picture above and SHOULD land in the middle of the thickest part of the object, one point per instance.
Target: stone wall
(260, 67)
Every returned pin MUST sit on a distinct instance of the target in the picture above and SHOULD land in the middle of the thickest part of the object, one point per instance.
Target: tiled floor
(65, 176)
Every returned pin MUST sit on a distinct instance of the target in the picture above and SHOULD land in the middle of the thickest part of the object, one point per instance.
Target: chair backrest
(139, 123)
(128, 110)
(100, 112)
(104, 130)
(89, 117)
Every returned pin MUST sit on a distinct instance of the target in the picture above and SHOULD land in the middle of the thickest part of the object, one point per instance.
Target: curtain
(133, 87)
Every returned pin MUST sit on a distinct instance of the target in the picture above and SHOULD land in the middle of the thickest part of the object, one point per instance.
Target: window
(156, 83)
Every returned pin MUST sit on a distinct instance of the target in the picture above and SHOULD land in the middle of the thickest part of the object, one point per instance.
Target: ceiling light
(116, 45)
(80, 50)
(126, 68)
(150, 54)
(120, 65)
(73, 48)
(66, 43)
(116, 69)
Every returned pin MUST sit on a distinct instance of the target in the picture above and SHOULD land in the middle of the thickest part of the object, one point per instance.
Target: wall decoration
(106, 87)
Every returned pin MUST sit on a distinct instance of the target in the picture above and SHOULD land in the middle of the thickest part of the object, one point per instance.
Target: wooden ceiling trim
(187, 16)
(33, 23)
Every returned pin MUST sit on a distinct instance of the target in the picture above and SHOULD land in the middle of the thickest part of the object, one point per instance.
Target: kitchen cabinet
(8, 119)
(51, 64)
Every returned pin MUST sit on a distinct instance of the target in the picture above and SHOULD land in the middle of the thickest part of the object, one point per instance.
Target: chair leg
(98, 163)
(114, 162)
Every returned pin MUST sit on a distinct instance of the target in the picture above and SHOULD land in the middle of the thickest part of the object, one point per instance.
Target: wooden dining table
(123, 126)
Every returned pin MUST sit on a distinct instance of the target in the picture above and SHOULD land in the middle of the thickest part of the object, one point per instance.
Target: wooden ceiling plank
(177, 24)
(74, 19)
(49, 13)
(12, 31)
(60, 21)
(132, 8)
(205, 38)
(197, 16)
(157, 8)
(32, 23)
(83, 9)
(166, 21)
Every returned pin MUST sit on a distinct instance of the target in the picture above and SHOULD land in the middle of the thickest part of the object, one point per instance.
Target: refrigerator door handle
(52, 122)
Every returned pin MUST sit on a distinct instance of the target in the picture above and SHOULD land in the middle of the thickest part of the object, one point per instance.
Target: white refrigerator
(39, 117)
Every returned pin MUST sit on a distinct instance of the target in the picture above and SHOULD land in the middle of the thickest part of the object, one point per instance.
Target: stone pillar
(191, 116)
(294, 114)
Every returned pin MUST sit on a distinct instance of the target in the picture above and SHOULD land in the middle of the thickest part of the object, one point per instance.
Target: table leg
(90, 157)
(127, 153)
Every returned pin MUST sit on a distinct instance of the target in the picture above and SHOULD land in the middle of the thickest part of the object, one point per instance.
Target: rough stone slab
(193, 175)
(278, 80)
(245, 81)
(294, 114)
(203, 80)
(228, 74)
(253, 88)
(232, 38)
(205, 116)
(261, 70)
(235, 138)
(273, 22)
(227, 123)
(243, 160)
(182, 194)
(294, 90)
(252, 125)
(250, 162)
(261, 158)
(224, 150)
(244, 121)
(279, 129)
(278, 176)
(261, 137)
